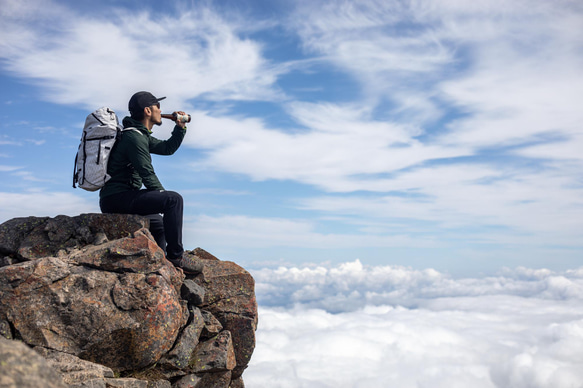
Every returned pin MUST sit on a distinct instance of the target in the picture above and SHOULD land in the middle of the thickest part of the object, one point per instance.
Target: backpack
(101, 131)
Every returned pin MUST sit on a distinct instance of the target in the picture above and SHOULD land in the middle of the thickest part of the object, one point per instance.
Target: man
(130, 167)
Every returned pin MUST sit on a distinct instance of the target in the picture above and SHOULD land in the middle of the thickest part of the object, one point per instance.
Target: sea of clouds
(353, 325)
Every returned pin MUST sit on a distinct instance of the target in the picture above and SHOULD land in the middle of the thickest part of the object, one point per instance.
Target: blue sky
(430, 134)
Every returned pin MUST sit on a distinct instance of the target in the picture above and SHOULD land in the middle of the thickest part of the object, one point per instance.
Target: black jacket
(130, 162)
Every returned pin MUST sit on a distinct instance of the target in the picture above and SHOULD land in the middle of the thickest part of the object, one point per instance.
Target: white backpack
(100, 133)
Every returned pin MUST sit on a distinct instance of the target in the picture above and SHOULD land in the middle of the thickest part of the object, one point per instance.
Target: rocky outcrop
(21, 367)
(95, 296)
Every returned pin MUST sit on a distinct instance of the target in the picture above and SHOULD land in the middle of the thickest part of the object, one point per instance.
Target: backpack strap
(132, 129)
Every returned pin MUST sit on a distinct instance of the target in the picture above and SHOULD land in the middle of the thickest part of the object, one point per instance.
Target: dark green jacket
(130, 162)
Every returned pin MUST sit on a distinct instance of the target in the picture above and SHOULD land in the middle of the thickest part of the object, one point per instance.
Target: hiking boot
(189, 264)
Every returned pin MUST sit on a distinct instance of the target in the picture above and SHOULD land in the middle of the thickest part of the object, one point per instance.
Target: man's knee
(174, 197)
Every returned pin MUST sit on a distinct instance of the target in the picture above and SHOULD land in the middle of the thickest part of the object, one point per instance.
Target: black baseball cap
(141, 100)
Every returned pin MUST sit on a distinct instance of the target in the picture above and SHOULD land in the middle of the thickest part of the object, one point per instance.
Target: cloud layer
(357, 326)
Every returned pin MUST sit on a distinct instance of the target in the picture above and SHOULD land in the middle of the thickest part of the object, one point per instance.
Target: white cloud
(99, 61)
(523, 328)
(4, 168)
(339, 142)
(559, 151)
(546, 204)
(350, 286)
(43, 204)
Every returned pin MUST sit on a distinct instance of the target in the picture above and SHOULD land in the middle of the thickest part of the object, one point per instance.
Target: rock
(214, 355)
(159, 384)
(205, 380)
(94, 383)
(230, 297)
(202, 254)
(5, 330)
(212, 326)
(237, 383)
(22, 367)
(179, 356)
(96, 297)
(15, 231)
(73, 369)
(125, 383)
(33, 237)
(192, 292)
(121, 320)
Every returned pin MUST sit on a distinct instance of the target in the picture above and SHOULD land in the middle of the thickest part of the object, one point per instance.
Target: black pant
(167, 230)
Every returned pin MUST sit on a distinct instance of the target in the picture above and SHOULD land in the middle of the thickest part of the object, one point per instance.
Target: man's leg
(147, 202)
(169, 203)
(157, 230)
(121, 203)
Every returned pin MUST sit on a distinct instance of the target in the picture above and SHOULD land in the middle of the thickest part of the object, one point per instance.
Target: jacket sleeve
(167, 147)
(142, 162)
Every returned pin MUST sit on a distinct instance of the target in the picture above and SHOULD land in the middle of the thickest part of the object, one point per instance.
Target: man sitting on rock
(130, 167)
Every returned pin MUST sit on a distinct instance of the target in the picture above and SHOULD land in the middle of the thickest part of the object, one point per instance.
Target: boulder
(214, 355)
(36, 237)
(180, 355)
(205, 380)
(192, 292)
(230, 297)
(115, 304)
(97, 299)
(73, 369)
(212, 326)
(21, 367)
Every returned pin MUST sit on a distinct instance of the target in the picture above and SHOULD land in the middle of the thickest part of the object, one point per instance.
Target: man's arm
(141, 160)
(168, 147)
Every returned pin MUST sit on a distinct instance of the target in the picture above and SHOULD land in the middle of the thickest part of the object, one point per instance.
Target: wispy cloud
(188, 52)
(340, 141)
(41, 204)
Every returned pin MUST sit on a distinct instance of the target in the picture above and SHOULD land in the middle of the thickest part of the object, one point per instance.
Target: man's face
(156, 114)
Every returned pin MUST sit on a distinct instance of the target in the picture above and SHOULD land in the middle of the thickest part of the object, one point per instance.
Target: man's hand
(180, 123)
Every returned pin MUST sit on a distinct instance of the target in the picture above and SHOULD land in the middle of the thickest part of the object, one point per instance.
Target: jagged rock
(237, 383)
(36, 237)
(205, 380)
(192, 292)
(179, 356)
(230, 297)
(202, 254)
(73, 369)
(159, 384)
(21, 367)
(7, 260)
(5, 330)
(214, 355)
(96, 296)
(212, 326)
(125, 383)
(94, 383)
(15, 231)
(123, 320)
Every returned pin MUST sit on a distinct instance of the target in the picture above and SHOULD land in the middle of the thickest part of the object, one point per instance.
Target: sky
(434, 134)
(403, 179)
